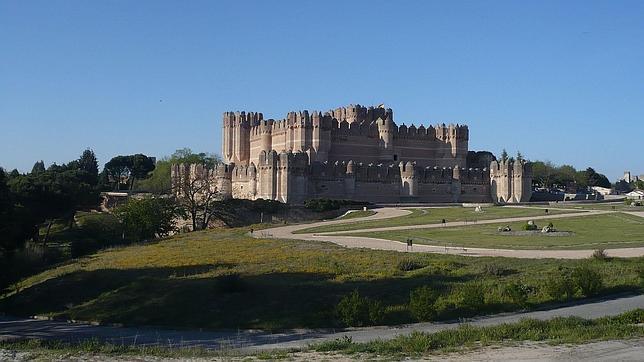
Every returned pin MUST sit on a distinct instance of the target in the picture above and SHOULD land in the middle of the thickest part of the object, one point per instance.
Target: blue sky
(562, 81)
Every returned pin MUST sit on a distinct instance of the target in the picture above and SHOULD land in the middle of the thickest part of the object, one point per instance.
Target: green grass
(554, 331)
(185, 281)
(435, 216)
(608, 206)
(356, 214)
(614, 230)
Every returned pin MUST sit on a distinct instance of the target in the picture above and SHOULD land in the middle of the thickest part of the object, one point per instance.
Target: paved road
(286, 232)
(253, 340)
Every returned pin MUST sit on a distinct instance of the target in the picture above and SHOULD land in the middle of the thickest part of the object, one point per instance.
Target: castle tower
(386, 130)
(409, 181)
(236, 131)
(510, 181)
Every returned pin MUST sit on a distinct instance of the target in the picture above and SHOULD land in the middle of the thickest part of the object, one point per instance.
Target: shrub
(321, 205)
(559, 285)
(495, 270)
(518, 293)
(421, 303)
(600, 254)
(100, 226)
(468, 297)
(530, 226)
(356, 311)
(588, 281)
(409, 265)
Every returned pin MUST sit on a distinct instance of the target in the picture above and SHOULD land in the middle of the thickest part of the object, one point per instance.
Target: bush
(587, 281)
(356, 311)
(530, 226)
(409, 265)
(495, 270)
(148, 218)
(559, 285)
(421, 303)
(517, 293)
(600, 254)
(100, 226)
(321, 205)
(468, 297)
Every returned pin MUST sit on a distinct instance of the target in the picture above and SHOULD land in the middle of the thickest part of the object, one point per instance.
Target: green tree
(148, 218)
(39, 167)
(88, 164)
(159, 181)
(128, 169)
(504, 155)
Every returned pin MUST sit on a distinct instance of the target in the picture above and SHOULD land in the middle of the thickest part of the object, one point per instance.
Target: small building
(635, 195)
(604, 190)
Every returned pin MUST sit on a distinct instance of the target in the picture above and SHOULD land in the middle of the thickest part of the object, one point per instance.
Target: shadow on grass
(180, 297)
(186, 297)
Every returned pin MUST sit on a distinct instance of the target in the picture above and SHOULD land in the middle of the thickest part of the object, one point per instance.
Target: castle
(355, 153)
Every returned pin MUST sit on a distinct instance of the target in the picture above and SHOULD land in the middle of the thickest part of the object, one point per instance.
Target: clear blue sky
(557, 80)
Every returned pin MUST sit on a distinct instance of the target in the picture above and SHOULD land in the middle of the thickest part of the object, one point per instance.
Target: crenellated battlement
(359, 152)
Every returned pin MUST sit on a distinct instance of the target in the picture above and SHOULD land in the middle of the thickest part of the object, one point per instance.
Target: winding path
(287, 232)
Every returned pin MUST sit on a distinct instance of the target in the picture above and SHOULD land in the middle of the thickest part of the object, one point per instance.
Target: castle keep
(355, 153)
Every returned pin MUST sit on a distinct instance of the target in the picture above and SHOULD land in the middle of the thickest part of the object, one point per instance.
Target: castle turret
(510, 181)
(386, 128)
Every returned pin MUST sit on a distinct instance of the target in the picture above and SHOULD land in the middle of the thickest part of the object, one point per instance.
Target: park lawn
(225, 279)
(608, 206)
(435, 215)
(613, 230)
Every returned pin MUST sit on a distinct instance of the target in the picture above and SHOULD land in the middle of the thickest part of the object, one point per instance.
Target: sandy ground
(286, 232)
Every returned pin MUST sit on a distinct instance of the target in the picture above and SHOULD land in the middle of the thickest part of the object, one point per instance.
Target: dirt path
(286, 232)
(255, 340)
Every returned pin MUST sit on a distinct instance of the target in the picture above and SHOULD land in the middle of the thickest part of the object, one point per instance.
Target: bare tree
(196, 190)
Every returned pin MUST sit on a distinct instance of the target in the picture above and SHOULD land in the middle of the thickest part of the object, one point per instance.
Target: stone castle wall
(355, 153)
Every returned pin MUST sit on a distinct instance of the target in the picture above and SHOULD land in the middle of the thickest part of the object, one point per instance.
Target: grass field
(225, 279)
(608, 206)
(613, 230)
(435, 216)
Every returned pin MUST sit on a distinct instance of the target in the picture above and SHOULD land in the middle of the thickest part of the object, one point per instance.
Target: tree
(591, 178)
(519, 156)
(53, 194)
(198, 196)
(128, 168)
(148, 218)
(39, 167)
(88, 164)
(7, 241)
(639, 184)
(159, 180)
(116, 170)
(140, 166)
(504, 155)
(543, 173)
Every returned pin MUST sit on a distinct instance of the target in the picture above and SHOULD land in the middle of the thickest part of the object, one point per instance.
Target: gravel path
(254, 340)
(286, 232)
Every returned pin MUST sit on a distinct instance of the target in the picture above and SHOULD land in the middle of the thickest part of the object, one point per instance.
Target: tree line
(30, 203)
(547, 174)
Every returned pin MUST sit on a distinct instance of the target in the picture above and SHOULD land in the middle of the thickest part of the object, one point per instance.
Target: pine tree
(88, 163)
(39, 167)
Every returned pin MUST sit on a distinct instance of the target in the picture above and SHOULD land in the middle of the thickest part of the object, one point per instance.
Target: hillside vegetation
(226, 279)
